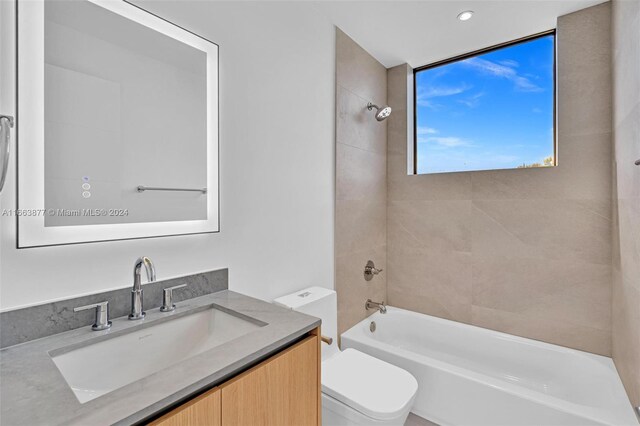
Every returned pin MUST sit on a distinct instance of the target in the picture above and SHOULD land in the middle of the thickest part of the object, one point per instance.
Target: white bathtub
(473, 376)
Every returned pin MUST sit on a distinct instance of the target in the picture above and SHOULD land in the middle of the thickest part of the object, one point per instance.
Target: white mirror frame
(30, 136)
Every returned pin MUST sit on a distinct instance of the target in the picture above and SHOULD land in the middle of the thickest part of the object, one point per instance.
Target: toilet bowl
(357, 389)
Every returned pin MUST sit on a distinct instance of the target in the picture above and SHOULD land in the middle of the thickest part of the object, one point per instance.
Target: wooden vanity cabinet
(282, 390)
(203, 410)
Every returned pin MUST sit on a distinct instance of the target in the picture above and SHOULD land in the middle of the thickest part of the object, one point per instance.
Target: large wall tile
(548, 330)
(361, 184)
(356, 125)
(358, 71)
(627, 151)
(536, 183)
(626, 334)
(584, 71)
(437, 224)
(353, 290)
(626, 51)
(431, 281)
(397, 129)
(629, 239)
(430, 304)
(584, 166)
(403, 187)
(559, 290)
(397, 126)
(626, 196)
(489, 238)
(577, 117)
(583, 172)
(363, 174)
(525, 251)
(552, 229)
(360, 224)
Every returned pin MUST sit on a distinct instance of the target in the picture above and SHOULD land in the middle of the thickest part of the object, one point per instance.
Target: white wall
(276, 167)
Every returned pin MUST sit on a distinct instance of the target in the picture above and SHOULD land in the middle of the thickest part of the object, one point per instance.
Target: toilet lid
(369, 385)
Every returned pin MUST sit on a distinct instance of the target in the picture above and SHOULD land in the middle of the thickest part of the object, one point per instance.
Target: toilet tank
(319, 302)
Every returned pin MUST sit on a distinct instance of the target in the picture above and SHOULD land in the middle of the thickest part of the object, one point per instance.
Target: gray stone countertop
(33, 391)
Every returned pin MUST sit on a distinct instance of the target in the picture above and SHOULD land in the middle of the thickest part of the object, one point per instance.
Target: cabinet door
(204, 410)
(283, 390)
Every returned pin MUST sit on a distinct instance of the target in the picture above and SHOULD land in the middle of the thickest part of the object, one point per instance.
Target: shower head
(381, 112)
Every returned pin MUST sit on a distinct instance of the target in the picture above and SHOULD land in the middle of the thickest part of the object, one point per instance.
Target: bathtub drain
(372, 326)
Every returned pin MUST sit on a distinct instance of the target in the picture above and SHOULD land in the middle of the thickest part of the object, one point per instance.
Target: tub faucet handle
(370, 270)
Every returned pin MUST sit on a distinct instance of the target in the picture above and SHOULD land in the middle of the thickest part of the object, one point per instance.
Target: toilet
(357, 389)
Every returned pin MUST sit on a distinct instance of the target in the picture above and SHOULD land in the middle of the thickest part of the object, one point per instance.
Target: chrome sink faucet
(137, 311)
(370, 304)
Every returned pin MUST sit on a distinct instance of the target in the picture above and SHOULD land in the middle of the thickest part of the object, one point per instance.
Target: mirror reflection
(124, 106)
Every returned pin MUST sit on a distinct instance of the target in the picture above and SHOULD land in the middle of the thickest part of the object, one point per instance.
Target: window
(491, 109)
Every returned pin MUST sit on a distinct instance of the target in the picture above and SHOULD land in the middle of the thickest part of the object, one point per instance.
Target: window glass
(491, 110)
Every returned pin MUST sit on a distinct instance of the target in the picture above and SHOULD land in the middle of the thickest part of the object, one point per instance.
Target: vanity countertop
(33, 391)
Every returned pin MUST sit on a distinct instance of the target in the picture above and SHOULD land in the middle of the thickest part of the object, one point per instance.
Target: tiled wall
(525, 251)
(361, 164)
(626, 230)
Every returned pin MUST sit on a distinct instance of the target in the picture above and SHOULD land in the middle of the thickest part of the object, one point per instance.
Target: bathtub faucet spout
(370, 304)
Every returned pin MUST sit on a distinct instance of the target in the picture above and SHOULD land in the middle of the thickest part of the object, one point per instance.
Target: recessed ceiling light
(466, 15)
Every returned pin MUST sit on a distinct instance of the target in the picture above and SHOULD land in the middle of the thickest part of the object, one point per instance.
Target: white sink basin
(99, 368)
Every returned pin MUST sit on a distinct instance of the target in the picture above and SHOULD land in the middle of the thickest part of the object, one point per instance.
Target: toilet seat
(371, 386)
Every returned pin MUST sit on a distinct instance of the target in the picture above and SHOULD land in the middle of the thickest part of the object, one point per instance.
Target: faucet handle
(370, 270)
(167, 298)
(102, 315)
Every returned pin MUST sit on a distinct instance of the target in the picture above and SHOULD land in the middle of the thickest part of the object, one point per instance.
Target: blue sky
(491, 111)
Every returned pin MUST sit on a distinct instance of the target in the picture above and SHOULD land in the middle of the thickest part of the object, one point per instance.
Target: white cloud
(448, 141)
(509, 72)
(525, 85)
(421, 101)
(438, 91)
(426, 131)
(510, 63)
(426, 95)
(491, 67)
(473, 100)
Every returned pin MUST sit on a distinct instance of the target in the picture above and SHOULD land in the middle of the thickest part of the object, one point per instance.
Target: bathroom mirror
(117, 124)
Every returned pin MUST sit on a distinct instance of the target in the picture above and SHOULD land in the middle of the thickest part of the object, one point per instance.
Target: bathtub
(473, 376)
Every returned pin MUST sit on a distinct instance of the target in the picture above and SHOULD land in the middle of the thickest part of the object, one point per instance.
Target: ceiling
(422, 32)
